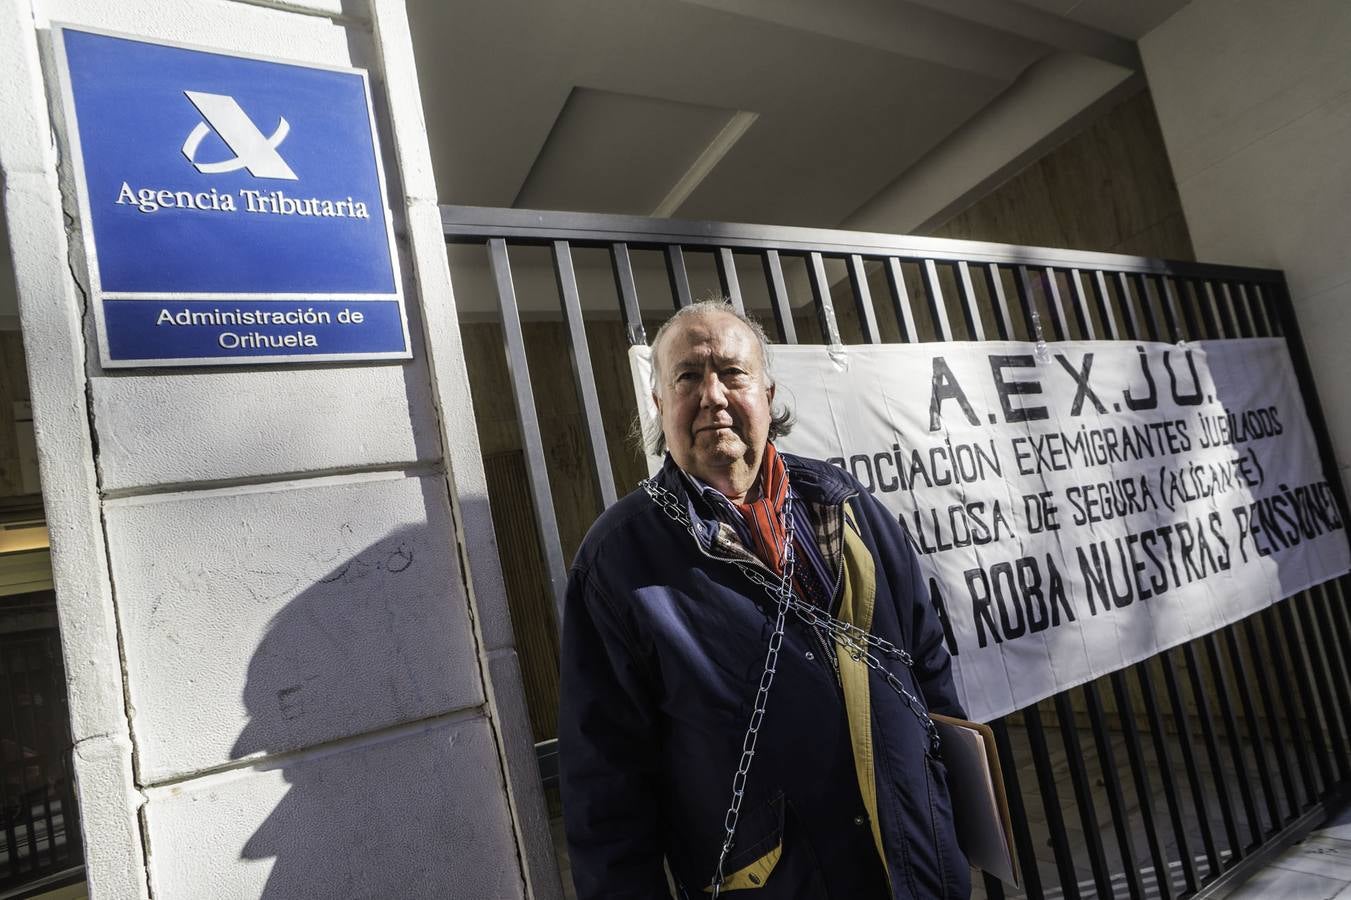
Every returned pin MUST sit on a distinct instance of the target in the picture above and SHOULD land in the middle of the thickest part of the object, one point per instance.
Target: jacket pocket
(758, 848)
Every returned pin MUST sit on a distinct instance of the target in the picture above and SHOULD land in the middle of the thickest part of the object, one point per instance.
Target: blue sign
(220, 194)
(212, 329)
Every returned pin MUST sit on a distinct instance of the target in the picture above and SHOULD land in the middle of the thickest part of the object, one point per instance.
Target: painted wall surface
(1254, 98)
(284, 681)
(1109, 188)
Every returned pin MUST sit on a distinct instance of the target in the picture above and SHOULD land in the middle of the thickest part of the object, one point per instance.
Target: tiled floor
(1317, 868)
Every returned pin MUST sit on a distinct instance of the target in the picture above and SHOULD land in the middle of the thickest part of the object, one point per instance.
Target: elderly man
(749, 657)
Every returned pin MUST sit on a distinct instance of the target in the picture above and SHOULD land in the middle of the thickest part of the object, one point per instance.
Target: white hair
(781, 421)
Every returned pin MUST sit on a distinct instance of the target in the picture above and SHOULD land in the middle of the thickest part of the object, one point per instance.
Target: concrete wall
(1254, 98)
(1107, 188)
(284, 680)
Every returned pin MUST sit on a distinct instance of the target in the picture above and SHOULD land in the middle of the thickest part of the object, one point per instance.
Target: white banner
(1081, 505)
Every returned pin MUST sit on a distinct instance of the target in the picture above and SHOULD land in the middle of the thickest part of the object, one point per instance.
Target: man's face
(713, 398)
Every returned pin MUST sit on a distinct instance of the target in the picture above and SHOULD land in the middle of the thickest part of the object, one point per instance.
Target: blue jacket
(663, 647)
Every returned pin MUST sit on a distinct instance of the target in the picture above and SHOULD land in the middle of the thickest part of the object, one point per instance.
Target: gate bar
(1056, 304)
(585, 379)
(1165, 762)
(1276, 653)
(1257, 308)
(1116, 802)
(546, 522)
(1230, 314)
(1081, 311)
(1027, 300)
(1192, 664)
(728, 280)
(1337, 677)
(1197, 314)
(1128, 308)
(678, 276)
(1244, 308)
(1254, 736)
(1022, 835)
(1273, 316)
(1102, 295)
(1212, 753)
(900, 300)
(1050, 800)
(1003, 317)
(1208, 303)
(938, 309)
(863, 299)
(1287, 633)
(1278, 745)
(1125, 711)
(1198, 793)
(622, 267)
(825, 306)
(1151, 288)
(1171, 309)
(1083, 796)
(975, 329)
(783, 312)
(1222, 689)
(1188, 300)
(1137, 280)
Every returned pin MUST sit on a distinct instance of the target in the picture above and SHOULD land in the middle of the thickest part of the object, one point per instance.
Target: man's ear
(771, 392)
(657, 401)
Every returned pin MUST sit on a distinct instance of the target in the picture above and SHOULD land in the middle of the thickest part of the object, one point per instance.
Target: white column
(284, 679)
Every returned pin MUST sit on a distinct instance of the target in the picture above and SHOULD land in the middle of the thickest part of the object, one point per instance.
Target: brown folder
(980, 807)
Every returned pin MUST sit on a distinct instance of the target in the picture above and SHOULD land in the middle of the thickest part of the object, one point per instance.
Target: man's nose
(714, 394)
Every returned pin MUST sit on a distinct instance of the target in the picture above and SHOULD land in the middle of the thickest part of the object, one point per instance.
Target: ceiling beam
(1043, 27)
(902, 28)
(1049, 102)
(732, 132)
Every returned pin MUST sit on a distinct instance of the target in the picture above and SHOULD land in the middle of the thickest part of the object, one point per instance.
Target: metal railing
(39, 820)
(1183, 772)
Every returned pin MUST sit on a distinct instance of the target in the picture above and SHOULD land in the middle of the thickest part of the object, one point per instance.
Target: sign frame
(319, 299)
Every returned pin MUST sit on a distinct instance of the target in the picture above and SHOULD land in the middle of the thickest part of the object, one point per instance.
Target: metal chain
(851, 638)
(782, 594)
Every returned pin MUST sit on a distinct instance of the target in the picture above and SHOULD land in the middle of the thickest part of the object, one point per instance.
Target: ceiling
(882, 115)
(802, 112)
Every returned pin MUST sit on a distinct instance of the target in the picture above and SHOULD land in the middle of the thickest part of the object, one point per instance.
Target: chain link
(854, 640)
(782, 594)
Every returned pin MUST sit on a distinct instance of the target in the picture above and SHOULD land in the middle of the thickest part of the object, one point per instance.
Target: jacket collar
(813, 480)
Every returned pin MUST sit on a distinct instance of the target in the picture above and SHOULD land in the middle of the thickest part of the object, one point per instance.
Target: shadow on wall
(372, 643)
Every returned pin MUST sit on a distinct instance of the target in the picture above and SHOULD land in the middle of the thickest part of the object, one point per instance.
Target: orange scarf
(764, 517)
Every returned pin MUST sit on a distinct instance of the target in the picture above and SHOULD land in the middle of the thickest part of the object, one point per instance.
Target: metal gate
(1175, 777)
(39, 821)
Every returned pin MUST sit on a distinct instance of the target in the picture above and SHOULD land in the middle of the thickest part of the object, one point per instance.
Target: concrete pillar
(290, 665)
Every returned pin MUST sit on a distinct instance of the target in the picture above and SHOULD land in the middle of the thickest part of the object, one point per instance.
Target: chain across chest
(858, 644)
